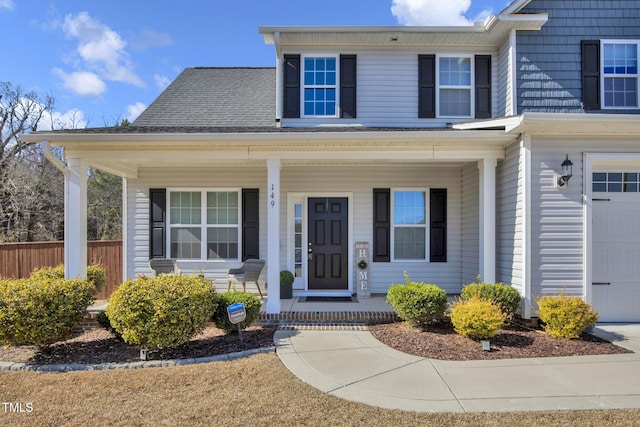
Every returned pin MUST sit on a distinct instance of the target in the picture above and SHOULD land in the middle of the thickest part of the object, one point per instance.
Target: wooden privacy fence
(20, 259)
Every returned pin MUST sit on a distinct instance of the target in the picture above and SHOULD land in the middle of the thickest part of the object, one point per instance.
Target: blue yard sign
(237, 314)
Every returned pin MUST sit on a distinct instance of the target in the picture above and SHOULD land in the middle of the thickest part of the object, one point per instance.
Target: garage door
(616, 246)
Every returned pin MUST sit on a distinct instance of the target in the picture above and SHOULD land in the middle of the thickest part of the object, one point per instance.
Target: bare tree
(25, 176)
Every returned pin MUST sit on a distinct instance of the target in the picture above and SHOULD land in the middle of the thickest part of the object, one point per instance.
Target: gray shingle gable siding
(549, 61)
(215, 97)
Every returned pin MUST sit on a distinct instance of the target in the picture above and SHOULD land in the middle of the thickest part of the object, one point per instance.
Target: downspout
(279, 79)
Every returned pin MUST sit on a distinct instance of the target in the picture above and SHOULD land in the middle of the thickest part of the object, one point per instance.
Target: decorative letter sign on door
(363, 281)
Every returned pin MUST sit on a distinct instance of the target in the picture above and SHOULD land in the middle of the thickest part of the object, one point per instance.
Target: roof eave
(260, 139)
(566, 124)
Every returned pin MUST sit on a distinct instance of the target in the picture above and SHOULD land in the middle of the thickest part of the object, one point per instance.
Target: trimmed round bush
(417, 303)
(41, 312)
(565, 317)
(286, 277)
(504, 296)
(476, 318)
(96, 274)
(251, 303)
(162, 311)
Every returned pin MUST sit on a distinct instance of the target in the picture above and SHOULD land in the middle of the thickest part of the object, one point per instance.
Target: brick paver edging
(13, 366)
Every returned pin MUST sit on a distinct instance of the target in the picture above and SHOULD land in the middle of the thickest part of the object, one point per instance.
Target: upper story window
(204, 225)
(455, 86)
(319, 88)
(620, 73)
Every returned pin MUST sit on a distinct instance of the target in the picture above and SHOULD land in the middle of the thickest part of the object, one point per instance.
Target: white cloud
(6, 5)
(134, 110)
(161, 81)
(434, 12)
(101, 49)
(71, 119)
(82, 83)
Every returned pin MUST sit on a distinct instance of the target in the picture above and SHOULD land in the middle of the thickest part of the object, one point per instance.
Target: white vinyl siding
(504, 89)
(556, 222)
(510, 218)
(191, 178)
(470, 223)
(387, 91)
(360, 181)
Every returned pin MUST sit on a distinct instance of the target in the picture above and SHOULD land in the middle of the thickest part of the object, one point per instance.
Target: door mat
(328, 299)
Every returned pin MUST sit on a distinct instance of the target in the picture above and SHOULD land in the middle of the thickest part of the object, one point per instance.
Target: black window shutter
(381, 225)
(250, 224)
(426, 86)
(438, 230)
(483, 86)
(590, 74)
(157, 222)
(348, 86)
(291, 87)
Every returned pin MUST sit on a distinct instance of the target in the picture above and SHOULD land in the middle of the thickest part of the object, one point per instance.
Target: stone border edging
(62, 367)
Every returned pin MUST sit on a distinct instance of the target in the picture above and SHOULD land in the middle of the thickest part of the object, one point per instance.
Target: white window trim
(299, 282)
(303, 86)
(203, 225)
(427, 246)
(603, 75)
(471, 87)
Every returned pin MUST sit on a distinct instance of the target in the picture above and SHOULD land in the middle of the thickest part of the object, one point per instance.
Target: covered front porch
(291, 169)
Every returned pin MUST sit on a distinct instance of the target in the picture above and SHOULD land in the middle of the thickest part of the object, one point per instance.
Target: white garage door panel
(616, 258)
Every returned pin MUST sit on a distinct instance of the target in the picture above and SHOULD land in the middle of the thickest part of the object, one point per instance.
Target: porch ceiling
(125, 154)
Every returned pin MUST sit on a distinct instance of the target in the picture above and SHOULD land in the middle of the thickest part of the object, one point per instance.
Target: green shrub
(251, 303)
(42, 311)
(504, 296)
(476, 318)
(96, 274)
(56, 272)
(417, 303)
(565, 317)
(162, 311)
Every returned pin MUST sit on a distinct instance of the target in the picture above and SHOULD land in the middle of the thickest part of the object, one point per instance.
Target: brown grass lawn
(257, 390)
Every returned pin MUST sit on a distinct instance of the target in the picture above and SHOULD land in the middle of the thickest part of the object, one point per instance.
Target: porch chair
(164, 266)
(249, 272)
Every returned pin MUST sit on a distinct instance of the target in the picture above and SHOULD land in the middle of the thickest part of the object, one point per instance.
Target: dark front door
(328, 238)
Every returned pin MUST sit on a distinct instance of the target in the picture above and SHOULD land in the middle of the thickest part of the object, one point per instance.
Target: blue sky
(104, 61)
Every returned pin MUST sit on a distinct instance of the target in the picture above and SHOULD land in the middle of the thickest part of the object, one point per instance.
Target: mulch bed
(101, 346)
(440, 341)
(437, 341)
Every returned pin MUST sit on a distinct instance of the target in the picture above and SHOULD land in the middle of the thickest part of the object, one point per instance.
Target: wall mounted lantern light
(562, 181)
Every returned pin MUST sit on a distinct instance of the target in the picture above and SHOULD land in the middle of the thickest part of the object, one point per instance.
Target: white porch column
(487, 215)
(75, 219)
(273, 236)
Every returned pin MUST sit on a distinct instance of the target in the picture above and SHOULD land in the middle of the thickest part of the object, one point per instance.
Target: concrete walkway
(351, 364)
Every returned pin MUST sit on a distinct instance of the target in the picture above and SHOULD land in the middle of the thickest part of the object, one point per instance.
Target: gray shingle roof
(215, 97)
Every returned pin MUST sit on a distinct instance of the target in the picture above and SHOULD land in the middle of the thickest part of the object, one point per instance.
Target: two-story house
(438, 149)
